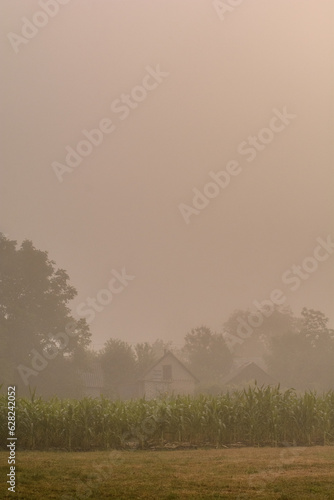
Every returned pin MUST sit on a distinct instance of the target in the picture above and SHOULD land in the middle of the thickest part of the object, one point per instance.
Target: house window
(167, 372)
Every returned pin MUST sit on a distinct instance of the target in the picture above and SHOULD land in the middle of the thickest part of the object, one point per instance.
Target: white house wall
(182, 381)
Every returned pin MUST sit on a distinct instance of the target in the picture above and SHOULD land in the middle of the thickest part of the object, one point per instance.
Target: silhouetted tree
(314, 327)
(251, 331)
(118, 362)
(35, 317)
(304, 358)
(207, 354)
(147, 354)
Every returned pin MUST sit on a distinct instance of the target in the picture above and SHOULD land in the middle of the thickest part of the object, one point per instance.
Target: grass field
(240, 473)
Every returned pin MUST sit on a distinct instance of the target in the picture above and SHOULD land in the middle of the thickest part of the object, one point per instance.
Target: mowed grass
(264, 473)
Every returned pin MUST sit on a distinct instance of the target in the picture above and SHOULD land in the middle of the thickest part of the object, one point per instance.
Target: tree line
(44, 348)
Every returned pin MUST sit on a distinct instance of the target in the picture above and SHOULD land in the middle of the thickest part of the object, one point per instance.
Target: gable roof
(167, 354)
(250, 371)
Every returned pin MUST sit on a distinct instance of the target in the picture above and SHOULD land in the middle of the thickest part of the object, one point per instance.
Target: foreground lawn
(264, 473)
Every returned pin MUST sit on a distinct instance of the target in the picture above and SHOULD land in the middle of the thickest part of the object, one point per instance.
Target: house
(247, 373)
(92, 381)
(167, 376)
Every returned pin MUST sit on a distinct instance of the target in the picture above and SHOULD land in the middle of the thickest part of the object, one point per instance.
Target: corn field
(257, 416)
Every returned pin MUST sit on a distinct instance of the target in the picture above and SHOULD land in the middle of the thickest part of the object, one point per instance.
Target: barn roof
(167, 354)
(250, 371)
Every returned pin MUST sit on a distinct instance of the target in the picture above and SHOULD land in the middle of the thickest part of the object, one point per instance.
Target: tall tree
(35, 318)
(119, 366)
(145, 357)
(208, 356)
(250, 332)
(147, 354)
(314, 327)
(304, 358)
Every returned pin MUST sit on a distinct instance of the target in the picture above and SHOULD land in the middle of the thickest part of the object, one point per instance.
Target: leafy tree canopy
(34, 310)
(304, 358)
(208, 355)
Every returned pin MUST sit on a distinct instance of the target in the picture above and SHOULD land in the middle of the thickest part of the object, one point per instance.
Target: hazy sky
(222, 77)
